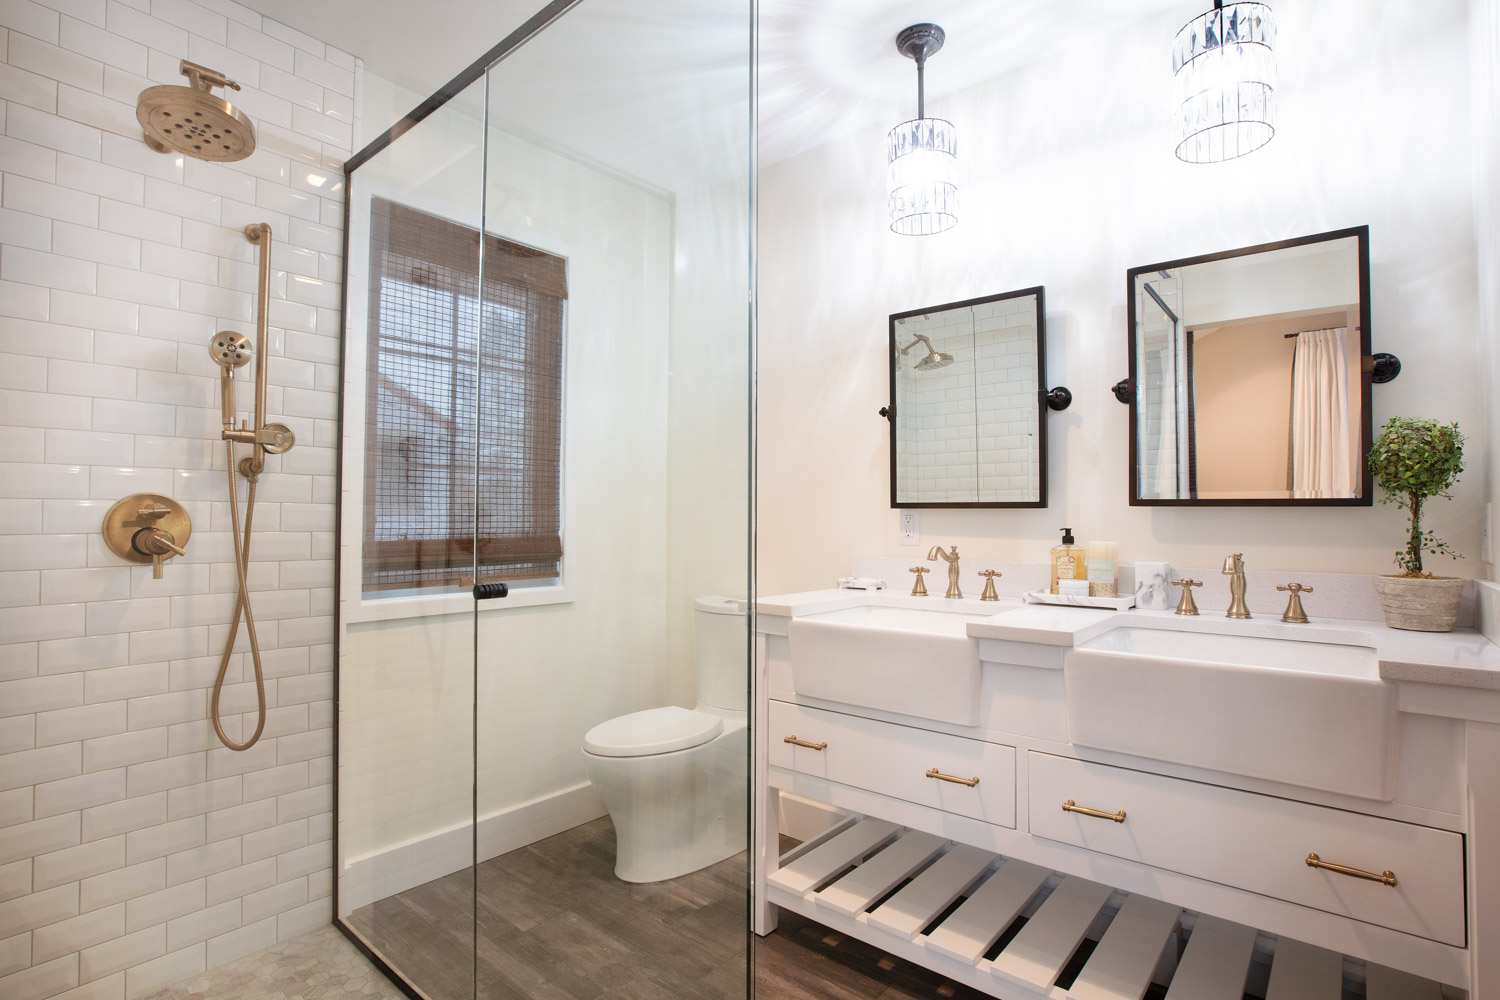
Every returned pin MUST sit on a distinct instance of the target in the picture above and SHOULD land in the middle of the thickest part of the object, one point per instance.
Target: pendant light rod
(917, 42)
(921, 86)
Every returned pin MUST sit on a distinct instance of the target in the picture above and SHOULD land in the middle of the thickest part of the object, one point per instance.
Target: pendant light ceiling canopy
(1224, 66)
(921, 154)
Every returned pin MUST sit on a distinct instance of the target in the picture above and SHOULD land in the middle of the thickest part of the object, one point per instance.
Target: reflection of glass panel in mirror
(966, 430)
(1249, 381)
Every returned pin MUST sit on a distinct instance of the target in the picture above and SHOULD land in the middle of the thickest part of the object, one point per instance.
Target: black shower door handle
(489, 591)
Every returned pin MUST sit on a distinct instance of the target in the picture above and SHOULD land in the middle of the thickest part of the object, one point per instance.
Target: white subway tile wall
(134, 849)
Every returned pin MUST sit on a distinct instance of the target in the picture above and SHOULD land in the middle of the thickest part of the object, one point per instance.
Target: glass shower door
(405, 829)
(547, 396)
(612, 747)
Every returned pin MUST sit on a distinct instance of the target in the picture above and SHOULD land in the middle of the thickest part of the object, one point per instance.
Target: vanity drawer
(1257, 842)
(894, 760)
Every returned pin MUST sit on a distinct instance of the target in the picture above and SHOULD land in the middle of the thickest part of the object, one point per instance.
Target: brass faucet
(951, 558)
(1234, 568)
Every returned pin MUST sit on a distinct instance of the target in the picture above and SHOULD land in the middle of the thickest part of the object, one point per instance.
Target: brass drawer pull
(935, 773)
(1118, 817)
(803, 743)
(1386, 877)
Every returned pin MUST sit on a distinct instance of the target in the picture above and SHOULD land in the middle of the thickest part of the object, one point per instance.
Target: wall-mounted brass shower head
(193, 120)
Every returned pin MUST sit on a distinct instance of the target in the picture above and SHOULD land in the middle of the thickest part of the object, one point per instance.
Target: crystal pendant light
(1224, 65)
(921, 154)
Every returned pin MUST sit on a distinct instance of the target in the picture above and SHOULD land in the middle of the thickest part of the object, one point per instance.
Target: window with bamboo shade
(463, 406)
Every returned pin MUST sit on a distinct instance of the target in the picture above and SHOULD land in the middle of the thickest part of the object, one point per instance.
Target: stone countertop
(1461, 658)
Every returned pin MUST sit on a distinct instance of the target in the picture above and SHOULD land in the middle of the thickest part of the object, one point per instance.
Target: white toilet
(674, 779)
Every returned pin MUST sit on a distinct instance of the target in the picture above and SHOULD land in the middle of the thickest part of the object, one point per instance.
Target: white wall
(1484, 54)
(708, 411)
(1069, 180)
(133, 849)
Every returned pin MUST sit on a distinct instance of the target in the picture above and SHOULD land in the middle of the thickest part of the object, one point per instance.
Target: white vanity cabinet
(973, 778)
(1199, 881)
(1259, 843)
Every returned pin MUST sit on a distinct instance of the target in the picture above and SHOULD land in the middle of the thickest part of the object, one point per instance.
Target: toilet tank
(721, 648)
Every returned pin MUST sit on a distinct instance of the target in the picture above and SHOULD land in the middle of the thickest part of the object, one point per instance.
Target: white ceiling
(827, 67)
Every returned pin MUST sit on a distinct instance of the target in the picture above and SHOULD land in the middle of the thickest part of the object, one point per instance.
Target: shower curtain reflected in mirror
(1322, 462)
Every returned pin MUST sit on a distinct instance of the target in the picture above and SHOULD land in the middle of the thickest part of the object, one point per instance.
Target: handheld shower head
(230, 350)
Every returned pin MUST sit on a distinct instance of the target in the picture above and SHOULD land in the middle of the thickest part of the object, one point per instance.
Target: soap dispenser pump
(1067, 560)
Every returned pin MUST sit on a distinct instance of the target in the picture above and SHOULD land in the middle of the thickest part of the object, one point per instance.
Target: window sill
(393, 608)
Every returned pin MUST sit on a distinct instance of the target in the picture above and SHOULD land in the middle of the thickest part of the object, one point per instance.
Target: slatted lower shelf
(946, 906)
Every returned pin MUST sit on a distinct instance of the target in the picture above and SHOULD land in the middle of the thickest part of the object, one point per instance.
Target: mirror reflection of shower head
(934, 358)
(192, 120)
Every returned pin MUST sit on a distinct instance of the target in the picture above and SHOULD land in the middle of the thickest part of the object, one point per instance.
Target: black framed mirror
(1250, 375)
(968, 403)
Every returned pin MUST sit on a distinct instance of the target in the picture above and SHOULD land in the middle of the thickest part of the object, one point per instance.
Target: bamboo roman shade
(455, 384)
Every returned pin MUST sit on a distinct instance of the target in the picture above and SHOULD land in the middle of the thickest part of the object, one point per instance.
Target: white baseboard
(395, 869)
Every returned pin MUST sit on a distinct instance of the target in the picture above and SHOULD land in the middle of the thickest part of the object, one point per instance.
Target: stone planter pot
(1418, 604)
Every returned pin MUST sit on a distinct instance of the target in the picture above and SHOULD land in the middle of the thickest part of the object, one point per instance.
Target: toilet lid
(656, 730)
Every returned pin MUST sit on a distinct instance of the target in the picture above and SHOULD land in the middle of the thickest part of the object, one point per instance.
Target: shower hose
(241, 605)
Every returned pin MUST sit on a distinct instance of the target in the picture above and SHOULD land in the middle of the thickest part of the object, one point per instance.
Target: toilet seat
(654, 731)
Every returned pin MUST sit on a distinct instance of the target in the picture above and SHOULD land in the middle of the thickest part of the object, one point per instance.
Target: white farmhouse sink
(1307, 713)
(915, 661)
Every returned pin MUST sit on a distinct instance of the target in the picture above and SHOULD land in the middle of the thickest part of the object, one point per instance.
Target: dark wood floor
(553, 923)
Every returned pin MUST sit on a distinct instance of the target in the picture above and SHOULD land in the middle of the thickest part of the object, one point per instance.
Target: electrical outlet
(1487, 533)
(911, 528)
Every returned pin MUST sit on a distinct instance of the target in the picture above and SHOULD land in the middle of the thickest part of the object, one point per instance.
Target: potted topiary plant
(1413, 460)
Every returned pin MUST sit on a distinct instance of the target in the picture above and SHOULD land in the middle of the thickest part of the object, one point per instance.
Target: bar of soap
(1073, 588)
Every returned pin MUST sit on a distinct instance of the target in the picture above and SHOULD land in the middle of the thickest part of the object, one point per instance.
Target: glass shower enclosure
(544, 542)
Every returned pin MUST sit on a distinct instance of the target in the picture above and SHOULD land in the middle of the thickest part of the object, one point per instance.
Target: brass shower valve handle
(148, 514)
(919, 589)
(159, 545)
(1294, 613)
(1187, 606)
(989, 584)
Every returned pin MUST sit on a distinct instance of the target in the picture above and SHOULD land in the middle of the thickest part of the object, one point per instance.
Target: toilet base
(676, 812)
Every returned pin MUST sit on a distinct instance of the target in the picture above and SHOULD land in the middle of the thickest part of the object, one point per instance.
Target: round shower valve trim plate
(141, 512)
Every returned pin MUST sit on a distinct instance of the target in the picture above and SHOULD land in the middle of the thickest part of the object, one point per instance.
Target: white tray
(1113, 603)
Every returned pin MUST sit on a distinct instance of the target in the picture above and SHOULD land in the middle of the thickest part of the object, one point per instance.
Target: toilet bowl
(672, 778)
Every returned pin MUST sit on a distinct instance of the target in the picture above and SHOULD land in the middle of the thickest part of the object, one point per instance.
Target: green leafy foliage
(1412, 460)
